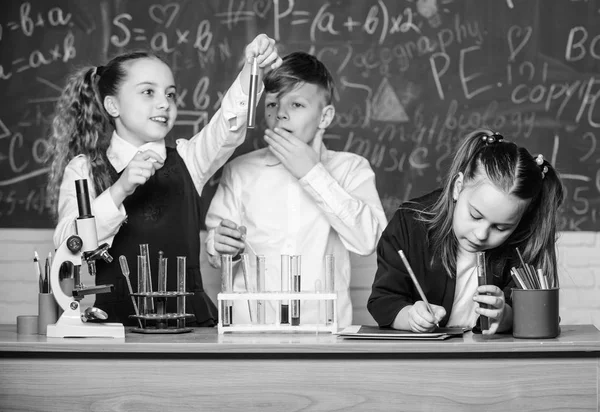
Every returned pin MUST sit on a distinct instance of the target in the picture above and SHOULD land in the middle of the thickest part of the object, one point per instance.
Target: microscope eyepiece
(83, 199)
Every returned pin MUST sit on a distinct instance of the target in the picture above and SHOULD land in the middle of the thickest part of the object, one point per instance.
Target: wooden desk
(204, 371)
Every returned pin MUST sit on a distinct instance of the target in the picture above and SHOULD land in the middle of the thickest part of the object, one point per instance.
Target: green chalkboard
(412, 78)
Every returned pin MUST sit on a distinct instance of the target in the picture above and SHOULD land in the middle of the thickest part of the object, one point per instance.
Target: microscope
(77, 249)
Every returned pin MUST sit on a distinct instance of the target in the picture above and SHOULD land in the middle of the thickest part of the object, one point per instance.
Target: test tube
(329, 286)
(142, 284)
(482, 280)
(260, 286)
(247, 283)
(145, 251)
(296, 277)
(227, 287)
(253, 95)
(181, 275)
(285, 287)
(319, 289)
(161, 302)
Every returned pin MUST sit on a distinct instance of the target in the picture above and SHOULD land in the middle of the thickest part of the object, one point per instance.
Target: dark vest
(165, 214)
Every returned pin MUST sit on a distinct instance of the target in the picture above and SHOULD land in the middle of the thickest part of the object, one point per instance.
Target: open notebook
(374, 332)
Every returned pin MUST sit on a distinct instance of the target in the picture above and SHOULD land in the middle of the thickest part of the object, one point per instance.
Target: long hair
(298, 68)
(513, 170)
(81, 125)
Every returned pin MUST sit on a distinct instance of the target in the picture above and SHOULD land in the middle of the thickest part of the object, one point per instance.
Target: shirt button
(243, 103)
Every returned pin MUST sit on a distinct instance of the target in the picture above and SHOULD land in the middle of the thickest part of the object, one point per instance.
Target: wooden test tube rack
(277, 327)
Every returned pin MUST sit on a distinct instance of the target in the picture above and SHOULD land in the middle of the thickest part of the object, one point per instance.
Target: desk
(242, 372)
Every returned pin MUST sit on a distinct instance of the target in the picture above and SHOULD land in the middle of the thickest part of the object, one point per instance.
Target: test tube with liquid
(329, 286)
(296, 277)
(142, 274)
(482, 280)
(227, 287)
(285, 287)
(181, 274)
(161, 302)
(247, 282)
(260, 287)
(145, 251)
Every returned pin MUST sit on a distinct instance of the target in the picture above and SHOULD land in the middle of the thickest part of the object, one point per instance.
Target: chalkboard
(412, 77)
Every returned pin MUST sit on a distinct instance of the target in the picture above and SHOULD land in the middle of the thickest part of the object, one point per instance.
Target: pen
(253, 95)
(416, 282)
(38, 271)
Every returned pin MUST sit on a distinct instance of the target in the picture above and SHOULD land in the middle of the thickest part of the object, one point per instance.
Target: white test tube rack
(278, 327)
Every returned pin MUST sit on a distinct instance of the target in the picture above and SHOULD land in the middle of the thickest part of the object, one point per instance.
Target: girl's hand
(420, 320)
(141, 168)
(229, 238)
(499, 313)
(264, 49)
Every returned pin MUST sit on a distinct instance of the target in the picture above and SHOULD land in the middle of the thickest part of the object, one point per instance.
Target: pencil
(38, 271)
(416, 282)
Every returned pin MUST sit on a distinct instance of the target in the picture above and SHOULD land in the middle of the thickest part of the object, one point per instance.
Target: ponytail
(79, 126)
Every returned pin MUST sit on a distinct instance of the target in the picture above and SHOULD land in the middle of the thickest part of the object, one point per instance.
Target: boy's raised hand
(298, 157)
(229, 238)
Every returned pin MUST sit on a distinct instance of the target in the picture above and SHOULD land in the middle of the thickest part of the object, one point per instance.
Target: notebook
(374, 332)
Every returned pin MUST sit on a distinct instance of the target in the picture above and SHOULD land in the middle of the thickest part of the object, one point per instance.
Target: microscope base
(87, 330)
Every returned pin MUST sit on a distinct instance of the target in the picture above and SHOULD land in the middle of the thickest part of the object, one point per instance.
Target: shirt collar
(270, 159)
(120, 152)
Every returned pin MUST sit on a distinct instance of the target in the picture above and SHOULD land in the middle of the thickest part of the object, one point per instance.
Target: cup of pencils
(535, 303)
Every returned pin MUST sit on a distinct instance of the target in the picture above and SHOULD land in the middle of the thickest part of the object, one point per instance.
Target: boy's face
(299, 111)
(484, 216)
(144, 108)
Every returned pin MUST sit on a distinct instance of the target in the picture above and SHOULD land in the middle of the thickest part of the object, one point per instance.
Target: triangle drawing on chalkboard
(386, 106)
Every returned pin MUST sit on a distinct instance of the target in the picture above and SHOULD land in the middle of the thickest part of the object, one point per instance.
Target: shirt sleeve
(108, 217)
(392, 287)
(352, 206)
(224, 205)
(209, 149)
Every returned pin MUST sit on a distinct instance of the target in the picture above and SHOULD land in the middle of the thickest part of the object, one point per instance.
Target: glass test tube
(142, 269)
(247, 284)
(145, 251)
(161, 302)
(227, 287)
(296, 276)
(285, 287)
(329, 286)
(260, 287)
(181, 274)
(319, 289)
(481, 281)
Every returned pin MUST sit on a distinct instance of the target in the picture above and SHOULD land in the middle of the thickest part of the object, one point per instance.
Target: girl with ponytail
(496, 198)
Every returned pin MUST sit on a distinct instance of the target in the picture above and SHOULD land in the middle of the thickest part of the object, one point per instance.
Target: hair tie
(539, 160)
(492, 138)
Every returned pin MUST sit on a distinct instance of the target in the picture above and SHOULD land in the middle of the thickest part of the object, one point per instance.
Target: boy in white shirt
(295, 197)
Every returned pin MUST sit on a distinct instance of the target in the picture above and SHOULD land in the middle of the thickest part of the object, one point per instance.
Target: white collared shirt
(334, 209)
(463, 308)
(203, 155)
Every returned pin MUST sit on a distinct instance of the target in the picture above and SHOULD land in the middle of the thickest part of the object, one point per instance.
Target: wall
(579, 261)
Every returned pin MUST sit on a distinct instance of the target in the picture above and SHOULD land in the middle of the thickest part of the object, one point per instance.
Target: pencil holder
(47, 311)
(535, 313)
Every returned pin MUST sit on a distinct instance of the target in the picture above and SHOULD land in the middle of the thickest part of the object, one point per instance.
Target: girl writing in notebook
(496, 197)
(110, 127)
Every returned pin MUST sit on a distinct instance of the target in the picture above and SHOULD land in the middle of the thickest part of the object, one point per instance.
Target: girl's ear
(327, 115)
(111, 106)
(457, 188)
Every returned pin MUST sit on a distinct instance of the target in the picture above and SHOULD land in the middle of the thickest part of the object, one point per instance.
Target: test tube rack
(161, 321)
(222, 298)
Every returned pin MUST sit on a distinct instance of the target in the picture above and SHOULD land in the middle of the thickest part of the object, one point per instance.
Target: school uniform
(393, 288)
(334, 209)
(164, 212)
